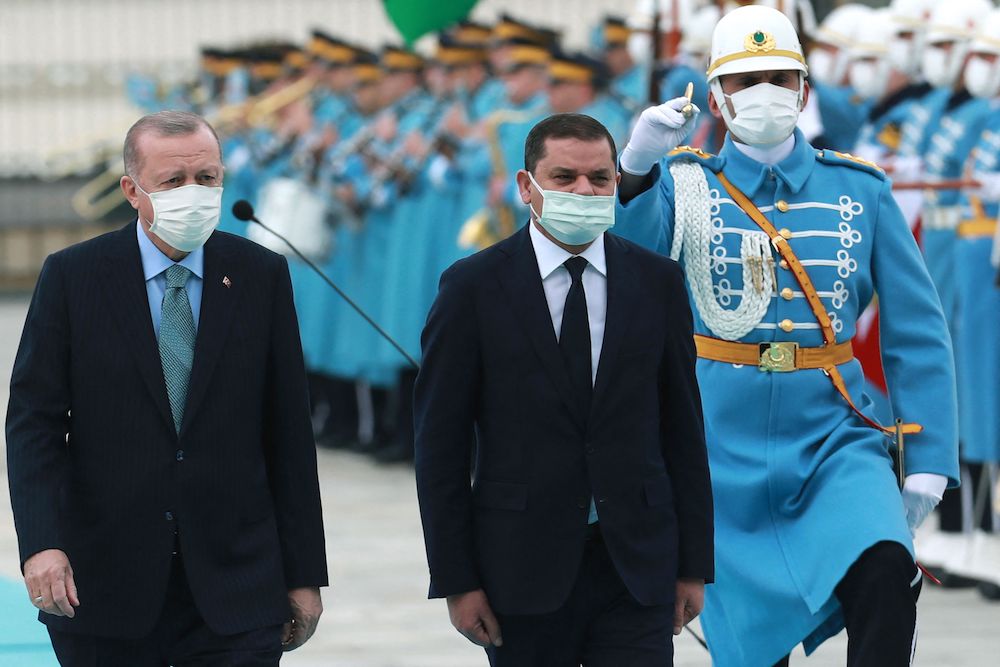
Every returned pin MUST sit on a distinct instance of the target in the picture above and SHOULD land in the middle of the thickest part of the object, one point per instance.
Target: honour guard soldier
(975, 554)
(841, 111)
(952, 138)
(783, 246)
(629, 79)
(875, 77)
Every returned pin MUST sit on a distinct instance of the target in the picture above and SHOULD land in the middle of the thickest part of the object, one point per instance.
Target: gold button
(782, 206)
(787, 294)
(787, 326)
(783, 264)
(786, 233)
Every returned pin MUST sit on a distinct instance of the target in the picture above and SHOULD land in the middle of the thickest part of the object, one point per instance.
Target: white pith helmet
(698, 33)
(754, 39)
(982, 77)
(955, 22)
(870, 63)
(838, 30)
(910, 19)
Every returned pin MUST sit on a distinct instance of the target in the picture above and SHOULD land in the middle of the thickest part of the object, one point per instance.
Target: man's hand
(307, 606)
(690, 600)
(471, 615)
(49, 580)
(658, 131)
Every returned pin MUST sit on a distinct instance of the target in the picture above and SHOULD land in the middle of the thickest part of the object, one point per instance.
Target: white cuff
(926, 483)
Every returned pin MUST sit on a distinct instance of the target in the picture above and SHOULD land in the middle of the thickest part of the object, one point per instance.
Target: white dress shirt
(556, 282)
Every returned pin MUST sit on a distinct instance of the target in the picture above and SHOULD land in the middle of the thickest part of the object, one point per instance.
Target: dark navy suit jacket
(493, 382)
(95, 465)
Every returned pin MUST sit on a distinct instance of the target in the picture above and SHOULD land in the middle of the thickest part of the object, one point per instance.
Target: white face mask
(940, 67)
(575, 219)
(982, 78)
(825, 67)
(766, 114)
(869, 79)
(903, 57)
(185, 217)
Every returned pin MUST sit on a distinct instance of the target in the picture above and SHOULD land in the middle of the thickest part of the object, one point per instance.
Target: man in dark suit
(565, 355)
(160, 455)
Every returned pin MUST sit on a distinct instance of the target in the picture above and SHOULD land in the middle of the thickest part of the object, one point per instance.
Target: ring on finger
(39, 599)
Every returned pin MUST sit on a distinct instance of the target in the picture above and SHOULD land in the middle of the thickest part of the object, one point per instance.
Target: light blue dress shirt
(155, 263)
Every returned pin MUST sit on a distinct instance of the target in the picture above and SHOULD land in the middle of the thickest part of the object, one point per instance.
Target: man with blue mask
(783, 247)
(567, 353)
(160, 454)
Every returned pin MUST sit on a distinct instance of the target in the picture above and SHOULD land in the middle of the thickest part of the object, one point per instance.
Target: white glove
(658, 131)
(907, 168)
(989, 186)
(921, 494)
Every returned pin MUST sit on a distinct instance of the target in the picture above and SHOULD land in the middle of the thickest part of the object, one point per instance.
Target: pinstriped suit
(238, 483)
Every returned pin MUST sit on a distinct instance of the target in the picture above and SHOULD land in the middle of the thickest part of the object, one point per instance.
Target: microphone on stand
(243, 210)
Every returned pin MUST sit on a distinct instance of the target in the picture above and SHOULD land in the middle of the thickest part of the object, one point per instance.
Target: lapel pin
(226, 281)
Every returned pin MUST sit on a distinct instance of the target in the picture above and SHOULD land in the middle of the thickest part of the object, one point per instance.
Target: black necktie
(574, 339)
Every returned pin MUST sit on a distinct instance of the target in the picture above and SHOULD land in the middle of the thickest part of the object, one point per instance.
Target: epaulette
(708, 160)
(846, 159)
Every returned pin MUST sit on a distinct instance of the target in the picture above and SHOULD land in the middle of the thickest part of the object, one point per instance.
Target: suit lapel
(523, 286)
(622, 287)
(218, 301)
(123, 273)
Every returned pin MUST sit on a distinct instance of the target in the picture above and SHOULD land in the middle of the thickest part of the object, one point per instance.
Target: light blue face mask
(575, 219)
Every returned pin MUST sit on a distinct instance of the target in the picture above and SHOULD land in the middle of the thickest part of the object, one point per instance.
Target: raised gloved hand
(658, 131)
(921, 494)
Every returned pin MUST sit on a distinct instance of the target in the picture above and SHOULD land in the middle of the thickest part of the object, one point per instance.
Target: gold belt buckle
(777, 357)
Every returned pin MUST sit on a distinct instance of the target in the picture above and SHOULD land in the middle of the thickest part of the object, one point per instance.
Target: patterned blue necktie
(177, 336)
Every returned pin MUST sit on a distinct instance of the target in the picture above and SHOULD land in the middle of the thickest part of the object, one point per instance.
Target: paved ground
(376, 612)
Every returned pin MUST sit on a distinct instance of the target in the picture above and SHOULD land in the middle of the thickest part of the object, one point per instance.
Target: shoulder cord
(693, 234)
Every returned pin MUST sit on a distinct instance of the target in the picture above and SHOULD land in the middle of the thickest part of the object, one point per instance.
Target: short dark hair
(563, 126)
(164, 124)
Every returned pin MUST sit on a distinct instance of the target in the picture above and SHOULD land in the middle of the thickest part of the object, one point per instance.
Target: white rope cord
(693, 235)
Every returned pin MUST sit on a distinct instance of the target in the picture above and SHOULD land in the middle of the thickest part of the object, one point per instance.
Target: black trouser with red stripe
(880, 607)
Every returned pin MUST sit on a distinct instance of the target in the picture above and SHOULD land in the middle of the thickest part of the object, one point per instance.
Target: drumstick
(688, 109)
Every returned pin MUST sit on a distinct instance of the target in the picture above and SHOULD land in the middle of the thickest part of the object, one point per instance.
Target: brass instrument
(101, 195)
(488, 226)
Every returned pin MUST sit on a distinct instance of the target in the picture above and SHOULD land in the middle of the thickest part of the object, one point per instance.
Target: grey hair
(164, 124)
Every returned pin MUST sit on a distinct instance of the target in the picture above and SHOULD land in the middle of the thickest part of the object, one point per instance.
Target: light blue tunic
(977, 320)
(802, 486)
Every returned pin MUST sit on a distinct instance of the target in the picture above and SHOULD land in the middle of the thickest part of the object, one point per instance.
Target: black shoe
(951, 580)
(990, 591)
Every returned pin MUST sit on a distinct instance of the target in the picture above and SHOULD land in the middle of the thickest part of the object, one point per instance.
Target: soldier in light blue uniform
(948, 144)
(812, 532)
(874, 75)
(977, 326)
(629, 79)
(841, 110)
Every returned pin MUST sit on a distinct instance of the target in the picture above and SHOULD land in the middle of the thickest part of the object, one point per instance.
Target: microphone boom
(243, 210)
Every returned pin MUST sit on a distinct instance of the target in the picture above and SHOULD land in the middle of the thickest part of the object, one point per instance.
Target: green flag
(416, 18)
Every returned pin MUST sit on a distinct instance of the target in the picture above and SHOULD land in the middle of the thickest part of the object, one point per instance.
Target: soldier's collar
(749, 175)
